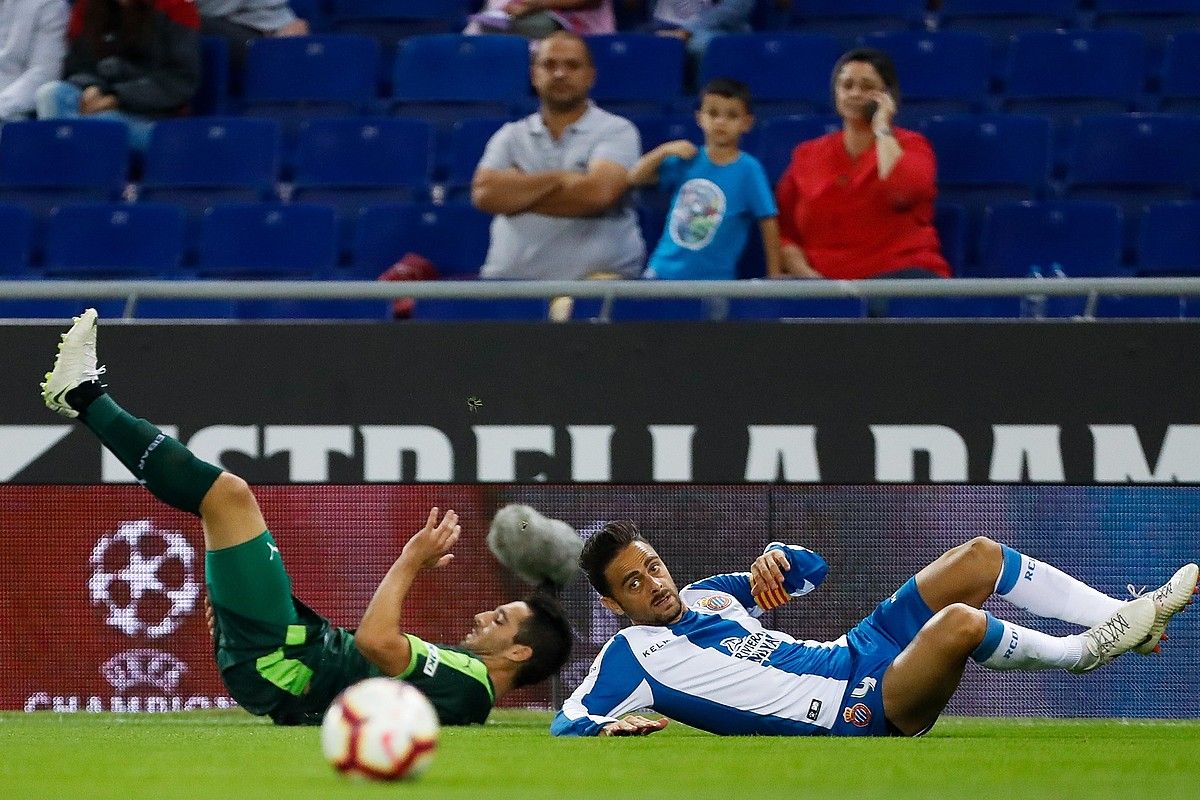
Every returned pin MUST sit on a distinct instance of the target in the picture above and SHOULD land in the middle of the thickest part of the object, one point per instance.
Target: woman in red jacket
(130, 60)
(858, 203)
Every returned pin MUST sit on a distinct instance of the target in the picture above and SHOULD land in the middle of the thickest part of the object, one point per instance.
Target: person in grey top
(557, 180)
(243, 21)
(33, 43)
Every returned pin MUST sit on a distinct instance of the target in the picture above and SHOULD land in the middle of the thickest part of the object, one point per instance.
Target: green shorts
(266, 642)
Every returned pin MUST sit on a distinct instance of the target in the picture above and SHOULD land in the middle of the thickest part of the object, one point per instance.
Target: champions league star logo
(145, 578)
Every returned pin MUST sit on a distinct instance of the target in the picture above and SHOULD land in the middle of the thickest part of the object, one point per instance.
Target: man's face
(494, 631)
(641, 587)
(561, 74)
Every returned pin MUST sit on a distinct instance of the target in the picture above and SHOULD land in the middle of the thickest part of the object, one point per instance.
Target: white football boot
(1169, 599)
(1125, 629)
(74, 364)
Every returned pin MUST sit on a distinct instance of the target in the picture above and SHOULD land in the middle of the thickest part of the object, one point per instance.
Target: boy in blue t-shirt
(718, 192)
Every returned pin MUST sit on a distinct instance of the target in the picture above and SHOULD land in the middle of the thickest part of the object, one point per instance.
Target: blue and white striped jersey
(718, 668)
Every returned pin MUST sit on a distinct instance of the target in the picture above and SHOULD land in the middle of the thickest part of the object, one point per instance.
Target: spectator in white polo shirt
(557, 180)
(33, 43)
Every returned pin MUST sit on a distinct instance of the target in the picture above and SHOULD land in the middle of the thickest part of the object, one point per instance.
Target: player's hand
(682, 148)
(634, 726)
(430, 547)
(766, 580)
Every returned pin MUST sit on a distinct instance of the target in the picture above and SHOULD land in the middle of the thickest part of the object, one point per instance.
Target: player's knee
(230, 491)
(960, 625)
(981, 555)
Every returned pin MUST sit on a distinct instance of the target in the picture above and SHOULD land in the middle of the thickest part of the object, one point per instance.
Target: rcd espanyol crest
(145, 577)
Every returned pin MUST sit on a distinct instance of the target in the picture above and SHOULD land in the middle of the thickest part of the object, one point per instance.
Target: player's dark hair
(878, 59)
(730, 89)
(601, 549)
(547, 632)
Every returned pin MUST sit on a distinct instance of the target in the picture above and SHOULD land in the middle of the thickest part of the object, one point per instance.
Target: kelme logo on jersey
(715, 602)
(756, 647)
(432, 661)
(857, 715)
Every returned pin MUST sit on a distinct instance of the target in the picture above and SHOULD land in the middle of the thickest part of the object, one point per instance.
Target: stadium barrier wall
(101, 586)
(834, 402)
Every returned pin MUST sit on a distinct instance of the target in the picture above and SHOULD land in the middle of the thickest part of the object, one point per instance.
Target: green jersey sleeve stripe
(416, 648)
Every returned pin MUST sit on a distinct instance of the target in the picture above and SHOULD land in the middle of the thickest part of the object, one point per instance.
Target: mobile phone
(870, 109)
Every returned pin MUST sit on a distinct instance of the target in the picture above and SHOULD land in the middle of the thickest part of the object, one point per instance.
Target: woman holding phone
(858, 203)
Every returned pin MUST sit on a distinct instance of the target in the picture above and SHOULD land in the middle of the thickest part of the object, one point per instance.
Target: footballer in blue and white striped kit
(701, 656)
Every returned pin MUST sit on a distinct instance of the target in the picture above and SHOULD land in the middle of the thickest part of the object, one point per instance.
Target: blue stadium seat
(351, 163)
(656, 129)
(988, 158)
(267, 240)
(315, 12)
(1155, 19)
(954, 307)
(743, 308)
(212, 98)
(467, 141)
(1083, 236)
(184, 308)
(930, 85)
(447, 77)
(337, 72)
(198, 162)
(788, 73)
(462, 310)
(628, 309)
(45, 163)
(313, 309)
(1137, 307)
(637, 72)
(454, 237)
(848, 21)
(950, 220)
(1169, 240)
(111, 240)
(1133, 159)
(1000, 19)
(16, 239)
(778, 137)
(1065, 74)
(1180, 90)
(390, 20)
(59, 310)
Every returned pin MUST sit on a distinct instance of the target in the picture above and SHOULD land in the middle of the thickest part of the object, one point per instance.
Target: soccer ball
(380, 728)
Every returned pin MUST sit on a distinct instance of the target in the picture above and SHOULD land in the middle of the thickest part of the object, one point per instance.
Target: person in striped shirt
(700, 655)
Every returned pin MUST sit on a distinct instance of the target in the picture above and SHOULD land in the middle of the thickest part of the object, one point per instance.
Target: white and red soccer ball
(380, 728)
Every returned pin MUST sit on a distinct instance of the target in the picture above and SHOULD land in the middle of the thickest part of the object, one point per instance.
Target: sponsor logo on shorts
(814, 710)
(715, 602)
(857, 715)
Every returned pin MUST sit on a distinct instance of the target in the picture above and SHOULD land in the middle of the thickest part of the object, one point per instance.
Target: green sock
(160, 463)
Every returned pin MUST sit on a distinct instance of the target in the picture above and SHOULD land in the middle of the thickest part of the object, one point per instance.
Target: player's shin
(1007, 646)
(1042, 589)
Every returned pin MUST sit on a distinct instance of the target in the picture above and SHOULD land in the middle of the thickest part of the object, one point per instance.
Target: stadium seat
(16, 239)
(309, 73)
(267, 240)
(988, 158)
(448, 77)
(115, 240)
(1082, 236)
(1001, 19)
(1065, 74)
(656, 129)
(628, 309)
(1169, 240)
(1180, 89)
(44, 163)
(351, 163)
(788, 73)
(315, 12)
(929, 86)
(950, 220)
(313, 309)
(848, 21)
(212, 98)
(184, 308)
(1137, 307)
(467, 141)
(1156, 20)
(454, 237)
(743, 308)
(778, 137)
(637, 72)
(198, 162)
(390, 20)
(1133, 159)
(954, 307)
(59, 310)
(491, 310)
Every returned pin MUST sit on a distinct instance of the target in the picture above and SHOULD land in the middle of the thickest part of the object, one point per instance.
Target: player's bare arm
(379, 637)
(634, 725)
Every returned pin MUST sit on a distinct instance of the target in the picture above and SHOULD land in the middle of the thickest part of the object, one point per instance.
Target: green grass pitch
(232, 755)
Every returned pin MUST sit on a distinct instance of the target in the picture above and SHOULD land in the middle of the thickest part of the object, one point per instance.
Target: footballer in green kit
(276, 656)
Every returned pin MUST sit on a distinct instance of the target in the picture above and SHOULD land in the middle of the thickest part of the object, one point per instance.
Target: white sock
(1041, 589)
(1007, 647)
